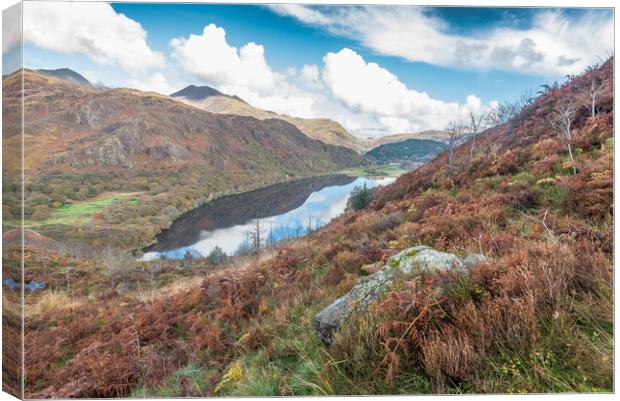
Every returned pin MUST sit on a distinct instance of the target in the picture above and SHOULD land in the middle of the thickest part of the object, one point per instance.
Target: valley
(161, 157)
(479, 267)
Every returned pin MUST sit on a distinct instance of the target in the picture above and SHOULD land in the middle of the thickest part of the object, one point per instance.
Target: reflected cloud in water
(318, 209)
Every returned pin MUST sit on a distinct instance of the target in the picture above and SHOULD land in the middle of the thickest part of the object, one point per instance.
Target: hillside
(533, 313)
(65, 74)
(434, 135)
(408, 150)
(85, 128)
(322, 129)
(88, 149)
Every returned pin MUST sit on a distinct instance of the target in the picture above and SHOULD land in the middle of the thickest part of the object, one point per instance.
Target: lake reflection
(284, 211)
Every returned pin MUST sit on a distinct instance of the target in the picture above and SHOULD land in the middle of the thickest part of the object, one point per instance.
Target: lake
(283, 211)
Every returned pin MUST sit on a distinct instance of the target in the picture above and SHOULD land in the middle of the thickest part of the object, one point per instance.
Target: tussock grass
(54, 301)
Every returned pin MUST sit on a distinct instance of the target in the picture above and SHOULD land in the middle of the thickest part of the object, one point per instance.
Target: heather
(535, 316)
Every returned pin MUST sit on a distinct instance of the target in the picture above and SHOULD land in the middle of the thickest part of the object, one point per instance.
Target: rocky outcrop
(412, 261)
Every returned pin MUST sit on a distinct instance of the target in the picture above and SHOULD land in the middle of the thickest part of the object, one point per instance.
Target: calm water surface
(286, 210)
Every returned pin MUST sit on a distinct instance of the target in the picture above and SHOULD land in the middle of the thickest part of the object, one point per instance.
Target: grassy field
(390, 170)
(80, 213)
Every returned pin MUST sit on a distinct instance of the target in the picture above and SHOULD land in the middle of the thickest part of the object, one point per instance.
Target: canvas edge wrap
(13, 181)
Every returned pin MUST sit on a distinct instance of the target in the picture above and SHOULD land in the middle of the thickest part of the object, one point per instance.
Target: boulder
(412, 261)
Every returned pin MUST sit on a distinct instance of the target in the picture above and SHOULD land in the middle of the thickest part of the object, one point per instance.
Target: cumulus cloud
(11, 39)
(154, 83)
(92, 29)
(553, 44)
(243, 72)
(11, 28)
(369, 88)
(310, 74)
(365, 97)
(210, 57)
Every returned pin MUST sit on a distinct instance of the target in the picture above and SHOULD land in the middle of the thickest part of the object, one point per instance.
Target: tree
(216, 256)
(596, 88)
(360, 197)
(40, 212)
(493, 118)
(255, 233)
(455, 133)
(475, 125)
(118, 265)
(564, 116)
(309, 228)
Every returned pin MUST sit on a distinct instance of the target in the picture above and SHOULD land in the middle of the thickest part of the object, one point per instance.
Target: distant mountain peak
(193, 92)
(66, 74)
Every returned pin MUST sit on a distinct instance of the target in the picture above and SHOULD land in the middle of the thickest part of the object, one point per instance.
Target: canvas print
(216, 200)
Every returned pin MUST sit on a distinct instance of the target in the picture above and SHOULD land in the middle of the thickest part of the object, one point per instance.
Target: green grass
(390, 170)
(79, 213)
(190, 380)
(292, 362)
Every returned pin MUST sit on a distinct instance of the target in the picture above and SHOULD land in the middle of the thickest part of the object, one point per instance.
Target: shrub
(348, 261)
(117, 264)
(216, 256)
(388, 222)
(360, 197)
(40, 212)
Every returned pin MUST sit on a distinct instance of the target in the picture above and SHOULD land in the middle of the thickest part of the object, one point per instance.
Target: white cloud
(210, 57)
(370, 88)
(366, 98)
(93, 29)
(11, 39)
(243, 72)
(303, 13)
(310, 74)
(554, 44)
(154, 83)
(11, 28)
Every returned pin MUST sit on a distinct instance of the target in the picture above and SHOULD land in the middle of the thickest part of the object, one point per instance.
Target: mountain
(435, 135)
(65, 74)
(77, 128)
(214, 101)
(193, 92)
(412, 150)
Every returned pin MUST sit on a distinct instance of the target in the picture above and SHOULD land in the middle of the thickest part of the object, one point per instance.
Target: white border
(475, 3)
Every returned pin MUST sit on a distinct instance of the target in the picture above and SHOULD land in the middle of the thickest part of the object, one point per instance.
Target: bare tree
(511, 113)
(117, 265)
(475, 125)
(493, 118)
(255, 234)
(596, 88)
(564, 116)
(455, 132)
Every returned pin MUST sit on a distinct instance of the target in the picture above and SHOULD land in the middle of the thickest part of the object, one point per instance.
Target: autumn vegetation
(535, 316)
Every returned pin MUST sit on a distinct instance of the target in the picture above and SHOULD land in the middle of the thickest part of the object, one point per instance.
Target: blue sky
(374, 69)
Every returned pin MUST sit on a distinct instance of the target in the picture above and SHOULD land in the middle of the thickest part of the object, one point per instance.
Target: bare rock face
(411, 261)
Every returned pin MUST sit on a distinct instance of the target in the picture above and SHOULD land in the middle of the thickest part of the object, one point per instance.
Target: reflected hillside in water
(238, 209)
(282, 211)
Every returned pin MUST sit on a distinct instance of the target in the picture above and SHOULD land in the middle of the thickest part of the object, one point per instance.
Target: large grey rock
(411, 261)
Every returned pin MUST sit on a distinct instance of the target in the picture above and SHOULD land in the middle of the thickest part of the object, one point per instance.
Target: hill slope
(65, 74)
(115, 166)
(434, 135)
(412, 150)
(323, 129)
(79, 128)
(535, 316)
